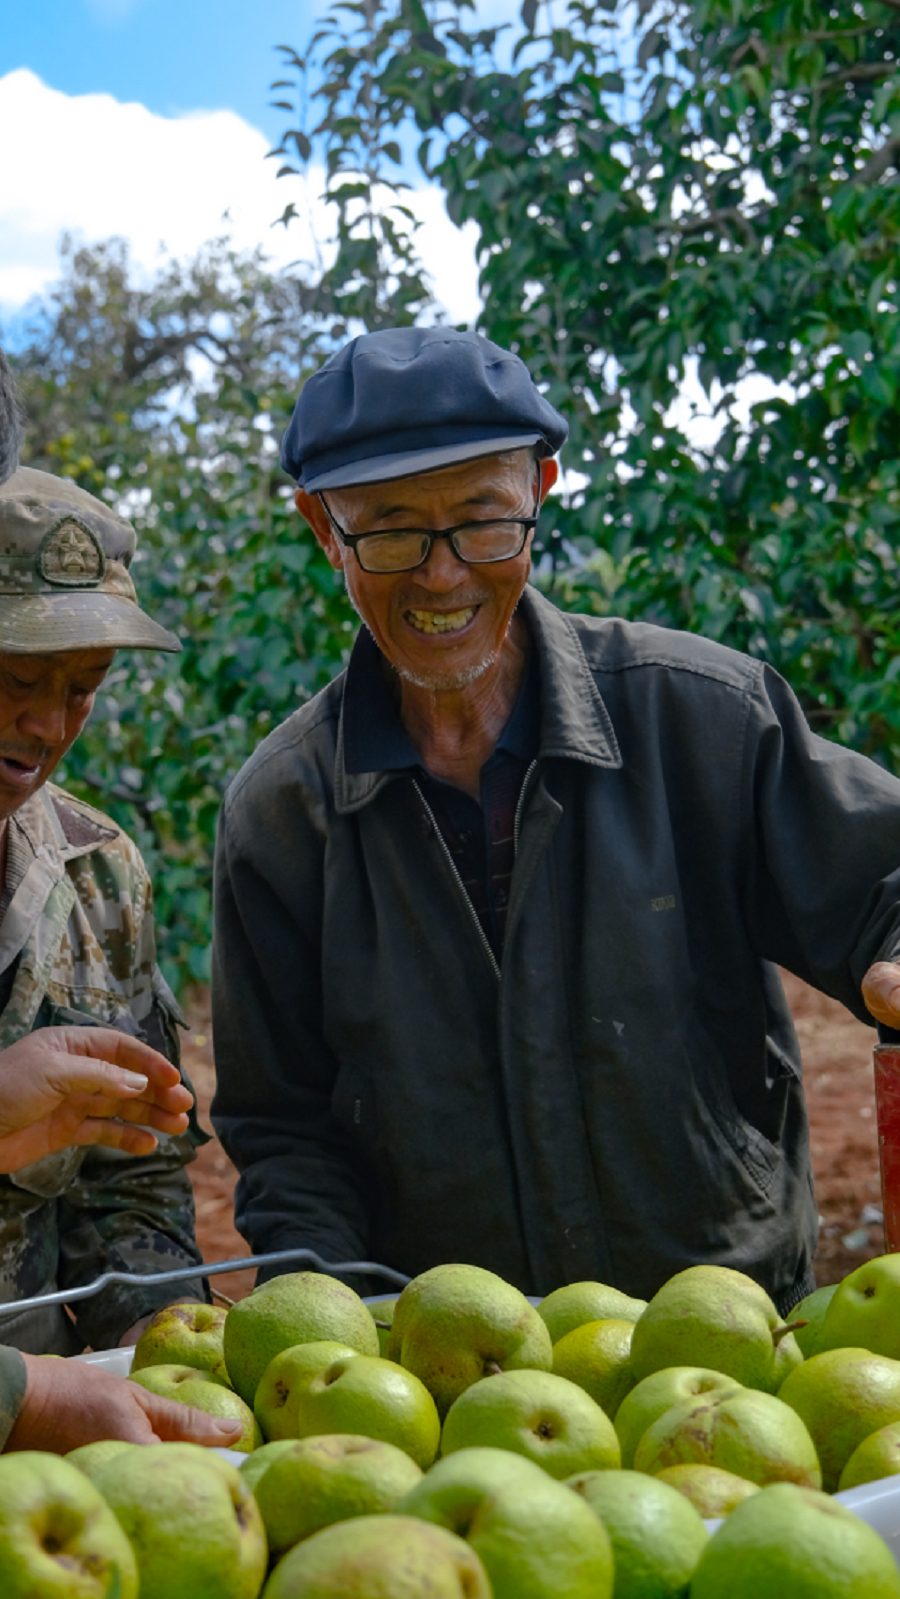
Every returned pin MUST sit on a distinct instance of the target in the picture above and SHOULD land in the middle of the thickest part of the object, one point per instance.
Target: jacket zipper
(452, 864)
(520, 806)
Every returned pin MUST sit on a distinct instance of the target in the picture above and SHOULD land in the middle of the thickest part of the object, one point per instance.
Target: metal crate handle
(279, 1257)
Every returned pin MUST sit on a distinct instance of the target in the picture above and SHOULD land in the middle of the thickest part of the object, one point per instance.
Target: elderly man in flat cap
(499, 911)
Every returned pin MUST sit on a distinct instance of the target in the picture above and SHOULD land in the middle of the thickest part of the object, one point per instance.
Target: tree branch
(863, 71)
(847, 33)
(719, 219)
(877, 163)
(753, 43)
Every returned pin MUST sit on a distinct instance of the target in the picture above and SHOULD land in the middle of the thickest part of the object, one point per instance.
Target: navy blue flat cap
(409, 400)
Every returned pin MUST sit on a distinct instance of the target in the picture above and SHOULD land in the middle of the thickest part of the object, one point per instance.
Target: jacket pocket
(760, 1158)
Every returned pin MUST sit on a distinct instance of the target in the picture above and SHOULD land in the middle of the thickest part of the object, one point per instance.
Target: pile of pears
(460, 1442)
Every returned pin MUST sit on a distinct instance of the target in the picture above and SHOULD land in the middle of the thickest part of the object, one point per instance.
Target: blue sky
(173, 56)
(150, 120)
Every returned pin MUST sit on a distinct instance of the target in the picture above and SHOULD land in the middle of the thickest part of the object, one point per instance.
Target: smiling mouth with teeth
(440, 621)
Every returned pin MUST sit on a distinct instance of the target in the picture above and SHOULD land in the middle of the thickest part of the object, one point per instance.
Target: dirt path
(837, 1063)
(837, 1058)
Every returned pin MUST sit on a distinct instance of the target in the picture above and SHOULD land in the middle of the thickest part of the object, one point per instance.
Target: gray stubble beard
(443, 682)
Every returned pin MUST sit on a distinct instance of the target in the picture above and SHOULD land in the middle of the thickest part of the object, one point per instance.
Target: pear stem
(223, 1298)
(492, 1368)
(782, 1332)
(385, 1326)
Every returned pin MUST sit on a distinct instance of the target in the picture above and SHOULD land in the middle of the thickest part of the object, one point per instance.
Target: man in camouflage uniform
(76, 926)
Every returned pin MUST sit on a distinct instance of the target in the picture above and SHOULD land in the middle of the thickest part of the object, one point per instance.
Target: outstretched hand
(69, 1403)
(85, 1085)
(881, 992)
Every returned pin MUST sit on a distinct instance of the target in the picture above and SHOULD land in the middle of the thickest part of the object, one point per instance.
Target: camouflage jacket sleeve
(12, 1390)
(134, 1214)
(81, 925)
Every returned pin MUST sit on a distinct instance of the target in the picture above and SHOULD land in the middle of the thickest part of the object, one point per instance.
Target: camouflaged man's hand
(69, 1402)
(85, 1085)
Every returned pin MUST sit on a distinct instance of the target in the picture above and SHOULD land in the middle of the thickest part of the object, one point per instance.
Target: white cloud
(93, 166)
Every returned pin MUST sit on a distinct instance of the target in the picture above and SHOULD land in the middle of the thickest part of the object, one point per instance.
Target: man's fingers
(111, 1083)
(881, 992)
(106, 1134)
(169, 1117)
(174, 1423)
(120, 1049)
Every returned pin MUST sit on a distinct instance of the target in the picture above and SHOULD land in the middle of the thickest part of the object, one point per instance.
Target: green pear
(712, 1491)
(657, 1394)
(864, 1311)
(597, 1356)
(254, 1467)
(535, 1537)
(548, 1419)
(455, 1324)
(380, 1557)
(795, 1543)
(189, 1386)
(58, 1538)
(751, 1433)
(876, 1457)
(570, 1307)
(192, 1522)
(185, 1334)
(382, 1313)
(288, 1374)
(657, 1536)
(362, 1394)
(298, 1308)
(87, 1456)
(812, 1310)
(318, 1481)
(788, 1354)
(843, 1395)
(713, 1316)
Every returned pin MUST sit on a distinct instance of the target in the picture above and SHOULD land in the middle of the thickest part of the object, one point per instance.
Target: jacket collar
(56, 828)
(575, 724)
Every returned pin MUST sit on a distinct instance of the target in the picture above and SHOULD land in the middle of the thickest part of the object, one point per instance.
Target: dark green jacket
(624, 1098)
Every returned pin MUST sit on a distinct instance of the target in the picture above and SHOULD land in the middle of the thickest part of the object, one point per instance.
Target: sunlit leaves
(715, 197)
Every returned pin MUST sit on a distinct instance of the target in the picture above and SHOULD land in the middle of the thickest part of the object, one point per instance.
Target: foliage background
(168, 401)
(663, 192)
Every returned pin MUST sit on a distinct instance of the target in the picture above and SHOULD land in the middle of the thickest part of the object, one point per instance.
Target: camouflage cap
(64, 581)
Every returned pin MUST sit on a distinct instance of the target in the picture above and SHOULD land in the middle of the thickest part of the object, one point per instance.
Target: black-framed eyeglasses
(404, 548)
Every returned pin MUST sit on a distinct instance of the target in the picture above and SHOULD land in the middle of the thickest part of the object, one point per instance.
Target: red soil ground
(837, 1058)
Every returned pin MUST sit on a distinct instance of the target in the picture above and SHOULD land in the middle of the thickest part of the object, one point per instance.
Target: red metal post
(887, 1104)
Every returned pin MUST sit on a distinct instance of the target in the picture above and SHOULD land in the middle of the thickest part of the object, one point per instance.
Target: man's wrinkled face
(45, 701)
(442, 625)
